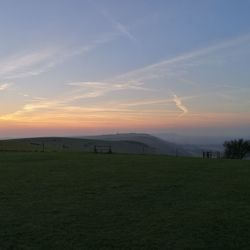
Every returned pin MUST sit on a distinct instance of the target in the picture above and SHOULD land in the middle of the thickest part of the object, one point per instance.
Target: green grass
(87, 201)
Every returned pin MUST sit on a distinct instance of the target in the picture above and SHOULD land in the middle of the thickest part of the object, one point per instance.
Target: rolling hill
(133, 143)
(58, 144)
(160, 146)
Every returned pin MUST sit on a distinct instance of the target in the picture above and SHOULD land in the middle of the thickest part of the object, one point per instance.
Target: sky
(77, 67)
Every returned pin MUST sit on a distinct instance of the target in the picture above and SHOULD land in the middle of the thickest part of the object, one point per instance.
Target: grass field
(87, 201)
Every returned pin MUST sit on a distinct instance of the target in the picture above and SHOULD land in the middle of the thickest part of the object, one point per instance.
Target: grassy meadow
(88, 201)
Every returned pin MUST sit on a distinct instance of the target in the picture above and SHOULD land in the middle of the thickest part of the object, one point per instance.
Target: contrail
(178, 102)
(148, 70)
(121, 28)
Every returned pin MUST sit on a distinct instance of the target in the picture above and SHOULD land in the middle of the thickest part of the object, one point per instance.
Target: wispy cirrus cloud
(101, 40)
(96, 89)
(33, 63)
(26, 64)
(175, 64)
(135, 80)
(84, 90)
(4, 86)
(37, 62)
(121, 28)
(124, 30)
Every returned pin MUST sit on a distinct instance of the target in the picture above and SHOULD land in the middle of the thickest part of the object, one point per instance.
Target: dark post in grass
(211, 155)
(64, 146)
(206, 155)
(37, 144)
(102, 149)
(203, 155)
(218, 155)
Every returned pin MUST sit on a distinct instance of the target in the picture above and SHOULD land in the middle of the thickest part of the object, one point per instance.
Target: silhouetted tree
(236, 149)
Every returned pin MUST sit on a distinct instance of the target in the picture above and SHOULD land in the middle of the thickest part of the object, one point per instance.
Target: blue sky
(77, 67)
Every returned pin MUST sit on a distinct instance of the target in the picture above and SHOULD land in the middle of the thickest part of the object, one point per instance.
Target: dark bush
(236, 149)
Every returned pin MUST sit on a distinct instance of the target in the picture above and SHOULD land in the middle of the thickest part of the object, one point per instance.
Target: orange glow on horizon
(115, 122)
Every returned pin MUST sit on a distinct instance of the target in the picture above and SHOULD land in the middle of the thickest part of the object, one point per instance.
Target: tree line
(236, 149)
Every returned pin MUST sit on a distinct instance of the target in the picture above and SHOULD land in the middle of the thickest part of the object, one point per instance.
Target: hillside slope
(133, 143)
(73, 144)
(160, 146)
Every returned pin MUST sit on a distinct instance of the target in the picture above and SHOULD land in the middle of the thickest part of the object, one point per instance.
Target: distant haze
(187, 137)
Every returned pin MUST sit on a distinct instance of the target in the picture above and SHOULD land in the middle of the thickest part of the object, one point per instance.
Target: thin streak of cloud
(46, 111)
(121, 28)
(190, 82)
(84, 90)
(124, 30)
(147, 102)
(133, 80)
(178, 102)
(155, 70)
(23, 64)
(103, 39)
(96, 89)
(5, 86)
(23, 61)
(35, 63)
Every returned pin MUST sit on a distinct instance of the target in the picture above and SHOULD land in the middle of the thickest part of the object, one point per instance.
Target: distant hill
(133, 143)
(159, 146)
(73, 144)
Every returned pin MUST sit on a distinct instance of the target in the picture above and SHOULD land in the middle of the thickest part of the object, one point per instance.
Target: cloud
(96, 89)
(110, 86)
(121, 28)
(38, 110)
(26, 64)
(134, 81)
(33, 63)
(4, 86)
(124, 30)
(101, 40)
(147, 102)
(173, 65)
(178, 102)
(84, 90)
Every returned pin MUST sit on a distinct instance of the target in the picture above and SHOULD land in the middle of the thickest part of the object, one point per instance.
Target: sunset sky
(74, 67)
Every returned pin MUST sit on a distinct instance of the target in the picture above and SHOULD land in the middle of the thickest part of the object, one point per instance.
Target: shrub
(236, 149)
